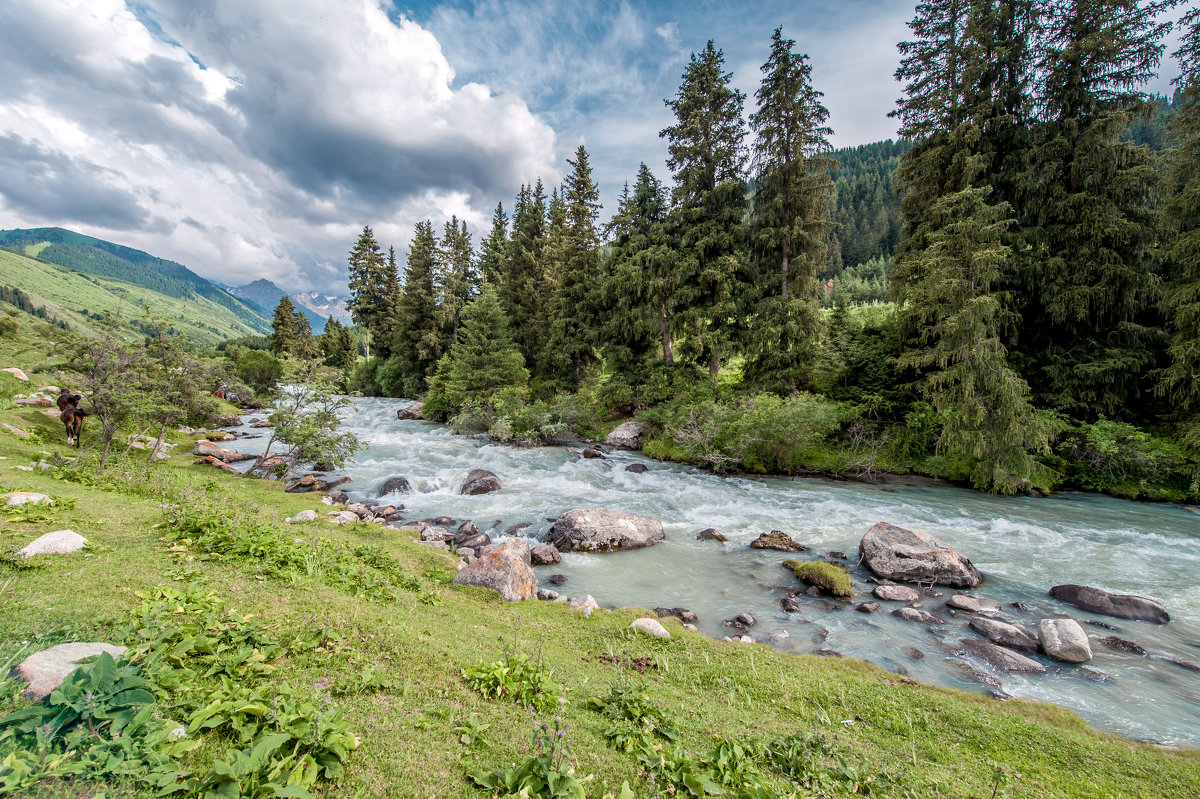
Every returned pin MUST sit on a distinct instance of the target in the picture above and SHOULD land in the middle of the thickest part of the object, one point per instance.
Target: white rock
(587, 603)
(896, 593)
(343, 517)
(60, 542)
(1065, 640)
(779, 636)
(15, 372)
(691, 627)
(23, 497)
(45, 670)
(302, 516)
(650, 627)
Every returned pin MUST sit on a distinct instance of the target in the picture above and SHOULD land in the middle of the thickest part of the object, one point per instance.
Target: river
(1022, 545)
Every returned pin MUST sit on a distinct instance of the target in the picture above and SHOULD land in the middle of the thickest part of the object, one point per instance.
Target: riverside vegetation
(307, 659)
(1019, 350)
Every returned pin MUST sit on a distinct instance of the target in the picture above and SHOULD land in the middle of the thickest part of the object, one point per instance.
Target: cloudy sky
(255, 138)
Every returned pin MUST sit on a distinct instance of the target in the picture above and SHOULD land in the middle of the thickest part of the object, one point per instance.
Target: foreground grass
(394, 663)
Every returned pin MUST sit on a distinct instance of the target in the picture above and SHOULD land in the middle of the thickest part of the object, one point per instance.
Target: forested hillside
(101, 258)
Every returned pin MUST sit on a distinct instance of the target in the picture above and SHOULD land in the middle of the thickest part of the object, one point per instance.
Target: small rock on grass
(302, 516)
(60, 542)
(586, 603)
(650, 627)
(27, 497)
(44, 671)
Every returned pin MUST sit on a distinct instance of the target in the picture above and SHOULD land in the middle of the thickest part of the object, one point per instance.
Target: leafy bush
(515, 677)
(762, 433)
(260, 370)
(827, 576)
(1123, 460)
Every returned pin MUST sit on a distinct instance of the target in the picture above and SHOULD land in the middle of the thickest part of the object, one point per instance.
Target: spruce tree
(1181, 216)
(456, 278)
(337, 345)
(1086, 336)
(285, 332)
(707, 155)
(492, 249)
(638, 295)
(373, 283)
(988, 419)
(305, 343)
(571, 347)
(419, 340)
(484, 361)
(522, 288)
(790, 218)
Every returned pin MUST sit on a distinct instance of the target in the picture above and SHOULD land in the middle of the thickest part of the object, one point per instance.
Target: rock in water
(411, 413)
(480, 481)
(1065, 640)
(973, 604)
(710, 534)
(897, 553)
(1000, 658)
(545, 555)
(683, 614)
(896, 593)
(594, 453)
(650, 627)
(395, 485)
(636, 468)
(1122, 606)
(503, 569)
(779, 540)
(602, 530)
(918, 616)
(1013, 636)
(626, 436)
(44, 671)
(60, 542)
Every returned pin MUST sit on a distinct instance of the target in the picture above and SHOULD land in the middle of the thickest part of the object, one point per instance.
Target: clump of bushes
(826, 576)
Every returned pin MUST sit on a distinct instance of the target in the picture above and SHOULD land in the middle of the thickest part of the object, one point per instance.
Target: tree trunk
(108, 437)
(714, 364)
(785, 269)
(157, 443)
(668, 346)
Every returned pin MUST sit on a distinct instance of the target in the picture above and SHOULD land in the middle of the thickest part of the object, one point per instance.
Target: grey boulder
(1001, 659)
(60, 542)
(896, 593)
(1121, 606)
(918, 616)
(897, 553)
(651, 627)
(1014, 636)
(395, 485)
(545, 555)
(44, 671)
(479, 481)
(973, 604)
(1064, 640)
(603, 530)
(626, 436)
(410, 413)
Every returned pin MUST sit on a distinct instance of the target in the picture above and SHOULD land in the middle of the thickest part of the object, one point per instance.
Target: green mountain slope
(104, 259)
(79, 299)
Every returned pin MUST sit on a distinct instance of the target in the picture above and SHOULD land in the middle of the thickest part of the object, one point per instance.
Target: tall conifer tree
(790, 216)
(1181, 302)
(285, 333)
(1085, 331)
(522, 288)
(373, 283)
(708, 157)
(456, 277)
(492, 249)
(419, 340)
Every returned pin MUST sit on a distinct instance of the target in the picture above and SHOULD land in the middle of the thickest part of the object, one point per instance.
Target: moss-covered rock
(826, 576)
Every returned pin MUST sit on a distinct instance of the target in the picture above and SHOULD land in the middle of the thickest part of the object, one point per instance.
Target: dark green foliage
(493, 248)
(707, 155)
(866, 204)
(337, 345)
(790, 218)
(374, 290)
(482, 363)
(570, 349)
(419, 339)
(285, 329)
(455, 276)
(259, 370)
(1085, 340)
(522, 290)
(1181, 297)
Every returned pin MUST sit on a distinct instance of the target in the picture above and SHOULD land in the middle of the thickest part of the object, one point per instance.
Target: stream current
(1022, 545)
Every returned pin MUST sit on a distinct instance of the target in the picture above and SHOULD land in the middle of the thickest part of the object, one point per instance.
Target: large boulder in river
(779, 540)
(626, 436)
(411, 413)
(1002, 659)
(1064, 640)
(1122, 606)
(480, 481)
(914, 556)
(395, 485)
(502, 568)
(602, 530)
(1014, 636)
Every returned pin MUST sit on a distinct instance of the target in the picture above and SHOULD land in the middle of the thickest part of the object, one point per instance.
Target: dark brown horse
(71, 415)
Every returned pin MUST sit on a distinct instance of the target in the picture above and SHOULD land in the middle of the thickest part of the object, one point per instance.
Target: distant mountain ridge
(102, 258)
(316, 307)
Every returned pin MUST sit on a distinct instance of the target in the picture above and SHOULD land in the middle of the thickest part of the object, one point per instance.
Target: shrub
(260, 370)
(825, 576)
